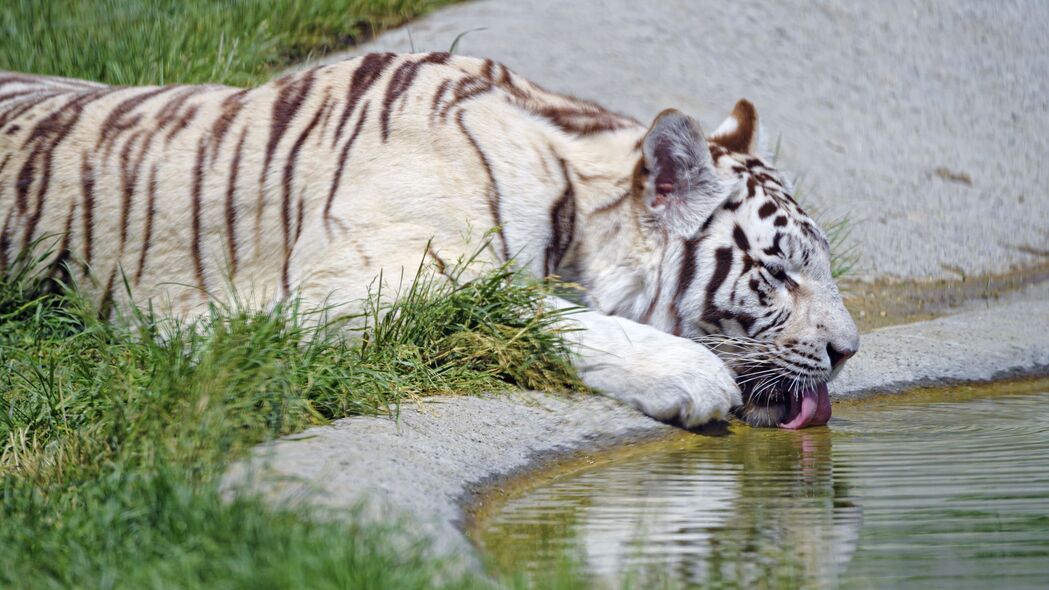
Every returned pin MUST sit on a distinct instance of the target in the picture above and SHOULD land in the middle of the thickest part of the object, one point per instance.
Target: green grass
(113, 434)
(843, 254)
(237, 42)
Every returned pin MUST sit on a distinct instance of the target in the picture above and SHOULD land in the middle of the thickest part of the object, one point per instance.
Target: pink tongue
(811, 408)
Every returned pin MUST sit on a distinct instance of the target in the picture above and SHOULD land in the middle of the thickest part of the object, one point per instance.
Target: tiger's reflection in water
(767, 510)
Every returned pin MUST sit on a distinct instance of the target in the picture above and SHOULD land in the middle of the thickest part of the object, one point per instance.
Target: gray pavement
(1003, 341)
(429, 462)
(927, 123)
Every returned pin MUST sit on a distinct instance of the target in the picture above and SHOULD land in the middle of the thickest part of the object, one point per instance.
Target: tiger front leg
(669, 378)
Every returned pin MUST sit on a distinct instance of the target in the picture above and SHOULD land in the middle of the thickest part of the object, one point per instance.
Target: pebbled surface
(427, 464)
(926, 123)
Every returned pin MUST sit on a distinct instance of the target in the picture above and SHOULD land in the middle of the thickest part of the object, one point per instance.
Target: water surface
(945, 489)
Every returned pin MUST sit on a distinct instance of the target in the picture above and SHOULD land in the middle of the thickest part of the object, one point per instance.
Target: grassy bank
(113, 434)
(186, 41)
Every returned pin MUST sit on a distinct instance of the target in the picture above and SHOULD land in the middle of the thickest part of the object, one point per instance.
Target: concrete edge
(901, 387)
(439, 457)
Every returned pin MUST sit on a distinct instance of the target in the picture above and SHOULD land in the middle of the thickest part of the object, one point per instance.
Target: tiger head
(751, 270)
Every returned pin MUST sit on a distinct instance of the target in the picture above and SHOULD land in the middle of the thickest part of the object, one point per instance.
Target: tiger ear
(739, 132)
(676, 179)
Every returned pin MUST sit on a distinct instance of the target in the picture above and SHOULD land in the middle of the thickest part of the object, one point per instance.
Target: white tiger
(313, 183)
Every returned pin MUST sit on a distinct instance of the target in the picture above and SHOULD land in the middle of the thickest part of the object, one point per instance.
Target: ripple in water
(894, 494)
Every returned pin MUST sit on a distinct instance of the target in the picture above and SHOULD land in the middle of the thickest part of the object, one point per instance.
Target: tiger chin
(708, 291)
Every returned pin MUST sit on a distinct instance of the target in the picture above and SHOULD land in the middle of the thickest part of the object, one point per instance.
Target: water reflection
(753, 507)
(793, 519)
(888, 497)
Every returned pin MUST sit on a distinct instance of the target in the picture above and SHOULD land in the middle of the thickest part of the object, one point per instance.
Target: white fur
(727, 127)
(666, 377)
(426, 182)
(685, 158)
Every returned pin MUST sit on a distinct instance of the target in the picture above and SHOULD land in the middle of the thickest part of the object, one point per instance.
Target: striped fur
(315, 182)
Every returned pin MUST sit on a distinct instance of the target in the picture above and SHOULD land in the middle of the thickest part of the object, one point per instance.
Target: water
(947, 490)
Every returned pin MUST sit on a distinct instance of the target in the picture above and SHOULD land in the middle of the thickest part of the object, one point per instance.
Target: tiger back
(308, 184)
(315, 183)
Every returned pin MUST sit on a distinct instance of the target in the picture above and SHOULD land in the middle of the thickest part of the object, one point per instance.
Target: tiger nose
(838, 356)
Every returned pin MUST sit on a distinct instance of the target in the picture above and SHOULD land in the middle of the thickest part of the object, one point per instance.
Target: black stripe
(87, 186)
(466, 89)
(5, 240)
(722, 266)
(400, 82)
(170, 109)
(773, 323)
(117, 122)
(182, 122)
(300, 212)
(741, 238)
(289, 100)
(343, 160)
(105, 306)
(286, 183)
(231, 107)
(13, 112)
(128, 181)
(147, 237)
(562, 224)
(746, 321)
(231, 205)
(10, 78)
(437, 96)
(441, 266)
(686, 274)
(16, 94)
(45, 139)
(767, 210)
(197, 188)
(371, 69)
(493, 187)
(60, 270)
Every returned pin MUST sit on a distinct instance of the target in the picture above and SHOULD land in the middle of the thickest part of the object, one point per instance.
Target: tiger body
(331, 174)
(313, 184)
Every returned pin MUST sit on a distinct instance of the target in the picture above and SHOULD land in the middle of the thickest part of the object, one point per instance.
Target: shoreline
(946, 294)
(434, 461)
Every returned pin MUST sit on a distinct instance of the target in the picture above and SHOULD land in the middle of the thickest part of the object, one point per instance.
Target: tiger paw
(671, 379)
(694, 387)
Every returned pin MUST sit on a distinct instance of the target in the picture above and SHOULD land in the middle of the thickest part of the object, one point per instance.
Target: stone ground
(432, 460)
(925, 122)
